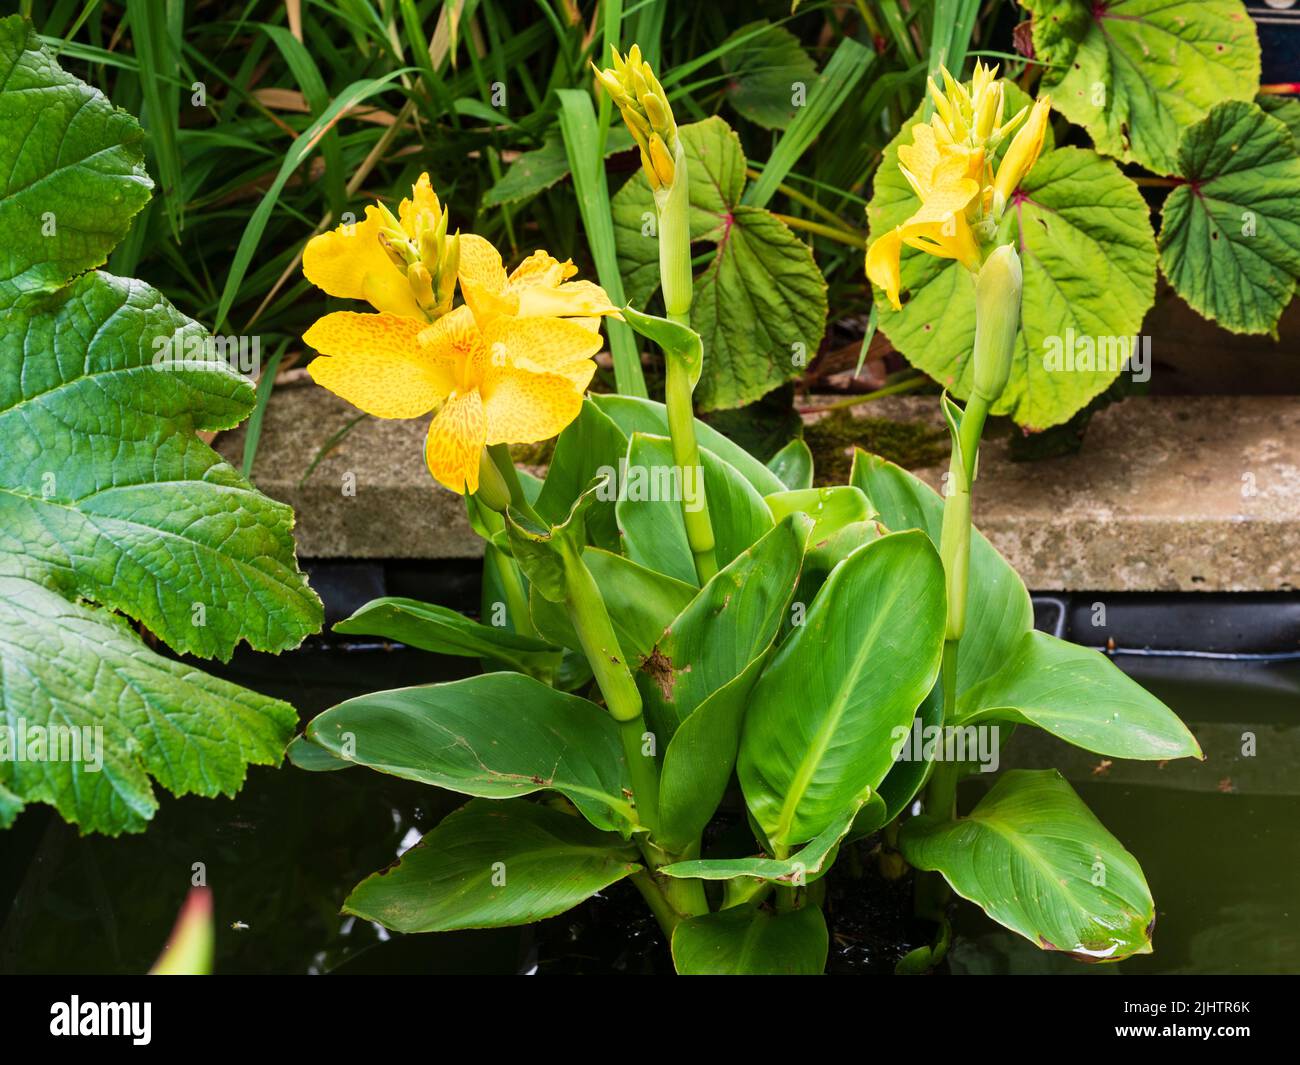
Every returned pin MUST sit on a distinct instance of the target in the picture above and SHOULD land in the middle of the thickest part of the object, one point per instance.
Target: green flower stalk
(641, 100)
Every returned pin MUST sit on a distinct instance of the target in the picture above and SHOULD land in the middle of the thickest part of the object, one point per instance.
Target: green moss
(833, 438)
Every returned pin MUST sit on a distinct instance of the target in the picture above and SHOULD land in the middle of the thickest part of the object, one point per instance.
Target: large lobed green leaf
(1089, 259)
(819, 729)
(1133, 73)
(491, 864)
(73, 166)
(760, 306)
(69, 664)
(1036, 860)
(764, 64)
(108, 496)
(1230, 235)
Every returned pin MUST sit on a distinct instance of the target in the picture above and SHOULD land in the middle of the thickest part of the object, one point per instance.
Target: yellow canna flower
(539, 286)
(641, 100)
(405, 265)
(509, 366)
(506, 380)
(949, 166)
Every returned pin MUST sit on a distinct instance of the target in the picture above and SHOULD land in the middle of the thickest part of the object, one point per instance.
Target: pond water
(1218, 841)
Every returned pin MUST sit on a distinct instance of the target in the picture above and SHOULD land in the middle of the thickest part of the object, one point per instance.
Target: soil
(869, 918)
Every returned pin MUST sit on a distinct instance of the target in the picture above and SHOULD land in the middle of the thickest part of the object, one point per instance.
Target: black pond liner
(1217, 839)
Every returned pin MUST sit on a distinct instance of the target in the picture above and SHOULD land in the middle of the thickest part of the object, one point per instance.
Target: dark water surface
(1219, 841)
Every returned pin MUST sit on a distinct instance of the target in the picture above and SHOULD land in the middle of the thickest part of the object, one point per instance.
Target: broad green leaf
(1089, 259)
(1134, 73)
(635, 415)
(540, 551)
(496, 736)
(760, 306)
(907, 776)
(699, 760)
(73, 165)
(436, 628)
(822, 557)
(590, 445)
(1036, 860)
(998, 610)
(733, 620)
(491, 864)
(107, 494)
(1081, 696)
(679, 343)
(793, 464)
(1230, 236)
(640, 601)
(766, 66)
(752, 942)
(303, 754)
(817, 733)
(132, 713)
(802, 867)
(696, 683)
(830, 508)
(1286, 108)
(650, 504)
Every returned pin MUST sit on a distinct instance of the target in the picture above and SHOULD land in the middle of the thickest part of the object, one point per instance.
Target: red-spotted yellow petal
(455, 341)
(455, 441)
(541, 268)
(523, 407)
(488, 304)
(920, 159)
(883, 266)
(349, 262)
(571, 298)
(544, 346)
(480, 263)
(376, 363)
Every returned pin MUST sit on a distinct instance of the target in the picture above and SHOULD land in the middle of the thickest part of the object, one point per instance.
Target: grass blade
(838, 80)
(582, 144)
(298, 151)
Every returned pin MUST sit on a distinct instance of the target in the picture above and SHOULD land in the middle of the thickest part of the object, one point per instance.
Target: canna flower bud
(636, 92)
(1021, 155)
(997, 320)
(421, 282)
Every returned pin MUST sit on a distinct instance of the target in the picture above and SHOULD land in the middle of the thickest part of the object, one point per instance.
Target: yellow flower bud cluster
(633, 87)
(417, 244)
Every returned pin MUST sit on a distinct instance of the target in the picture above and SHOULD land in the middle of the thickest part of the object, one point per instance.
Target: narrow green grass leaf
(845, 69)
(582, 143)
